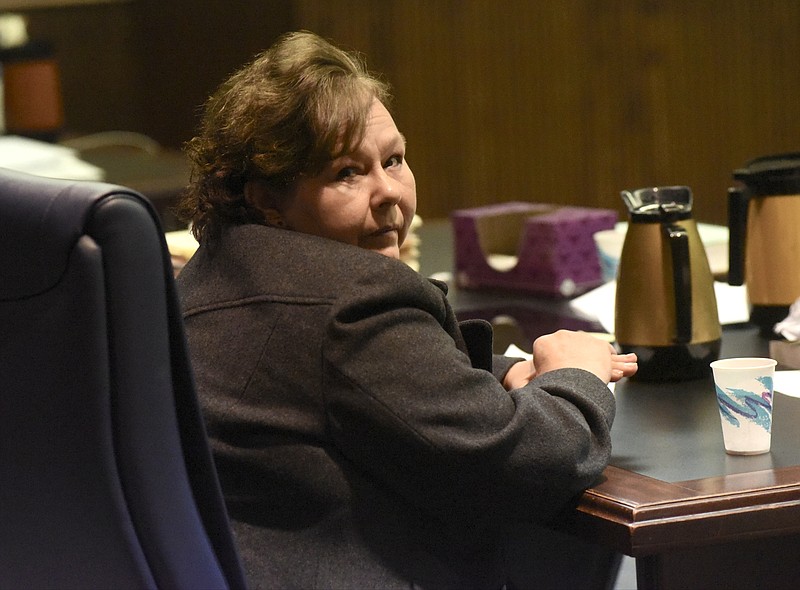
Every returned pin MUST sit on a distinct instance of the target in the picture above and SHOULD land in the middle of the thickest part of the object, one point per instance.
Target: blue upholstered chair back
(106, 479)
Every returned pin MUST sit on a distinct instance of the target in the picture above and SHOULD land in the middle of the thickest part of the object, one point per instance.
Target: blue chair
(106, 478)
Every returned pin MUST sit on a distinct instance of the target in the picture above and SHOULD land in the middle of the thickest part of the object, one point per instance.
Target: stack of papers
(45, 159)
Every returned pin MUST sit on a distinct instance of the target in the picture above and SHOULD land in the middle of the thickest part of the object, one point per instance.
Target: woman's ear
(273, 217)
(262, 198)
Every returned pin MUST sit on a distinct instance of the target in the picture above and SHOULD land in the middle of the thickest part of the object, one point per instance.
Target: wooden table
(691, 515)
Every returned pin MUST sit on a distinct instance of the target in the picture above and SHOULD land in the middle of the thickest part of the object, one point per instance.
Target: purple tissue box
(532, 247)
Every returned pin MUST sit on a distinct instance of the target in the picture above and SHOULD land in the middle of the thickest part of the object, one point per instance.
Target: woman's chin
(389, 251)
(386, 244)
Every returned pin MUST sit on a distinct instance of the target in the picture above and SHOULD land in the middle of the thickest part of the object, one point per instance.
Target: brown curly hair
(298, 105)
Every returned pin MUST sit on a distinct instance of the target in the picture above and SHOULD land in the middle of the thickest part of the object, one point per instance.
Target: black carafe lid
(772, 175)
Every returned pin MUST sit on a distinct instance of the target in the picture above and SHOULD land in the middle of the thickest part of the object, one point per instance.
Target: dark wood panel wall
(565, 101)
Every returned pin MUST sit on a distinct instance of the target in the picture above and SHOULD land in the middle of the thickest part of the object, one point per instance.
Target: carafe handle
(738, 200)
(682, 281)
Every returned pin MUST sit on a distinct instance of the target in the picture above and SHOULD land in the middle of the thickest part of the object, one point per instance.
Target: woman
(364, 439)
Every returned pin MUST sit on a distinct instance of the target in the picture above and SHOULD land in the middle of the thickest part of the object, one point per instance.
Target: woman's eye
(345, 173)
(396, 160)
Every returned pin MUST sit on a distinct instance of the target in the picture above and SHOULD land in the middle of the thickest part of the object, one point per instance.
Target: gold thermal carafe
(764, 224)
(666, 307)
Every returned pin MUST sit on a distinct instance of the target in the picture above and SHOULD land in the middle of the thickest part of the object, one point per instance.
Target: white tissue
(789, 328)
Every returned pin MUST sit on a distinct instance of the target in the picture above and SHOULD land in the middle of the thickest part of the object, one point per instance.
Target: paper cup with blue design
(744, 396)
(609, 248)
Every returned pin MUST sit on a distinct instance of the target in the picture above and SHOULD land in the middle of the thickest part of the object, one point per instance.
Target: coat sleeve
(406, 405)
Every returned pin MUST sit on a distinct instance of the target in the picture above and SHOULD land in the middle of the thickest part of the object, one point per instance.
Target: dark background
(560, 101)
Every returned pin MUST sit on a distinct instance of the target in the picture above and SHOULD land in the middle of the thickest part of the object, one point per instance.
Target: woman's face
(366, 198)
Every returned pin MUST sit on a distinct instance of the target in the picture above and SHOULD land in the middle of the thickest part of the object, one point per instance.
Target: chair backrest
(106, 479)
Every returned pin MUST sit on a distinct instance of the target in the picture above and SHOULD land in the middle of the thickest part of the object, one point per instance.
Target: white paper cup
(744, 396)
(609, 247)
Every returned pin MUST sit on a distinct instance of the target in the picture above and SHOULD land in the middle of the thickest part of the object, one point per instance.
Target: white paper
(789, 327)
(787, 383)
(45, 159)
(515, 351)
(732, 304)
(598, 304)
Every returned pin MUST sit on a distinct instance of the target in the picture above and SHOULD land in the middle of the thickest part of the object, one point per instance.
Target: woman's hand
(519, 375)
(580, 350)
(623, 365)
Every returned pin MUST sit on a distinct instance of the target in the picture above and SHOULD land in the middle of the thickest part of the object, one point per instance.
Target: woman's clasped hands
(565, 349)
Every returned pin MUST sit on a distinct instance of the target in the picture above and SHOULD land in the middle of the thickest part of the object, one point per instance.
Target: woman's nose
(387, 189)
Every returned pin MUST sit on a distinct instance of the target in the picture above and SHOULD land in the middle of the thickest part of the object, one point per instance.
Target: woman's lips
(386, 236)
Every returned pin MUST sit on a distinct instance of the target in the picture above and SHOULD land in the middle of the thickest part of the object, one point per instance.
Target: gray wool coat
(362, 438)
